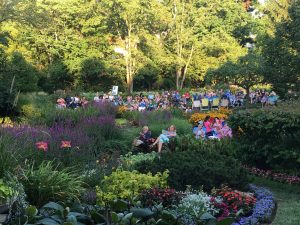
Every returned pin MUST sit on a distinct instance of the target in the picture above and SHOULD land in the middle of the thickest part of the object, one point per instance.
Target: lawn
(288, 198)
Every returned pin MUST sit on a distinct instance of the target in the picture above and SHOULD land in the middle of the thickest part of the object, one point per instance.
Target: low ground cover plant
(128, 185)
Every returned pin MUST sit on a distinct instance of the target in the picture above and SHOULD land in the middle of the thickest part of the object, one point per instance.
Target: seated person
(208, 126)
(60, 103)
(83, 102)
(225, 131)
(145, 139)
(217, 125)
(200, 130)
(142, 106)
(97, 97)
(165, 137)
(152, 105)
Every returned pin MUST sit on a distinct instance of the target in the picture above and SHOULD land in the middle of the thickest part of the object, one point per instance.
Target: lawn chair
(196, 104)
(204, 105)
(215, 104)
(224, 103)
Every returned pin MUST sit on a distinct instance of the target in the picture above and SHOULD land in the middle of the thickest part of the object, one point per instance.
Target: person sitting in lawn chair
(199, 130)
(144, 140)
(165, 137)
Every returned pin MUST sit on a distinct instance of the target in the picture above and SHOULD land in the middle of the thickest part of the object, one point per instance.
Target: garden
(81, 167)
(149, 112)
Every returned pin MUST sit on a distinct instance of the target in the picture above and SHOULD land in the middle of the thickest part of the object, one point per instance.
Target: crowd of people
(169, 99)
(263, 97)
(71, 102)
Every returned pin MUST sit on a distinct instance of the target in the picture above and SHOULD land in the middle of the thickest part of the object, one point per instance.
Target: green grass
(288, 199)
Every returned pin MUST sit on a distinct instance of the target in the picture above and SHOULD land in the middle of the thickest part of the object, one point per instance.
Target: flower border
(264, 210)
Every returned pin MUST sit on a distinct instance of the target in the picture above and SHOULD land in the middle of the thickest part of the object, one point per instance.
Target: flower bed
(281, 177)
(264, 209)
(221, 113)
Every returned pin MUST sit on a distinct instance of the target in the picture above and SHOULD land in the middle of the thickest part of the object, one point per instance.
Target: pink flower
(65, 144)
(42, 145)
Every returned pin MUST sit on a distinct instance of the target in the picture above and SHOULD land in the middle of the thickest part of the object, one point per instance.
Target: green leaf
(168, 217)
(98, 218)
(226, 221)
(119, 205)
(72, 219)
(47, 221)
(54, 206)
(114, 217)
(31, 211)
(127, 218)
(207, 216)
(141, 212)
(161, 222)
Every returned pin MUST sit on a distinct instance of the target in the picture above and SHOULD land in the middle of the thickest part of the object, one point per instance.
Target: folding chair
(224, 103)
(215, 103)
(196, 104)
(204, 105)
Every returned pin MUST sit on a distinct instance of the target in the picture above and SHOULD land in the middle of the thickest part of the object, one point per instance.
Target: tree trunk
(178, 74)
(129, 61)
(186, 67)
(247, 93)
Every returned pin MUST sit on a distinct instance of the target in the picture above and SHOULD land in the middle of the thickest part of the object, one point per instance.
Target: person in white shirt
(97, 98)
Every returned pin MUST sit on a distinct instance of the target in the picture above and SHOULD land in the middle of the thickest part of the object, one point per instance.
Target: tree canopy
(149, 44)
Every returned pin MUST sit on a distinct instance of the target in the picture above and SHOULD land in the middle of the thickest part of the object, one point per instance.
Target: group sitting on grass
(146, 142)
(71, 102)
(212, 128)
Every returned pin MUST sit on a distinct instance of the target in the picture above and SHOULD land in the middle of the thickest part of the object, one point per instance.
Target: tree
(246, 72)
(21, 11)
(282, 53)
(7, 93)
(92, 72)
(26, 76)
(128, 22)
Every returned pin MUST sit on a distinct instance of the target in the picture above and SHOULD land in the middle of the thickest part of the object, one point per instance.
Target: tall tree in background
(282, 53)
(246, 72)
(129, 21)
(183, 35)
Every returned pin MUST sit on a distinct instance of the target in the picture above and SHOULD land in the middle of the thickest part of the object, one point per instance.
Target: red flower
(42, 145)
(65, 144)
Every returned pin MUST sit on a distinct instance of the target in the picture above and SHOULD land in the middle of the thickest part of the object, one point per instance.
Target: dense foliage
(128, 185)
(198, 165)
(269, 138)
(50, 45)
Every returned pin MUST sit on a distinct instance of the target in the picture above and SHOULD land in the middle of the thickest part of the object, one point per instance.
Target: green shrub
(129, 160)
(188, 142)
(269, 138)
(5, 192)
(48, 183)
(128, 185)
(205, 167)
